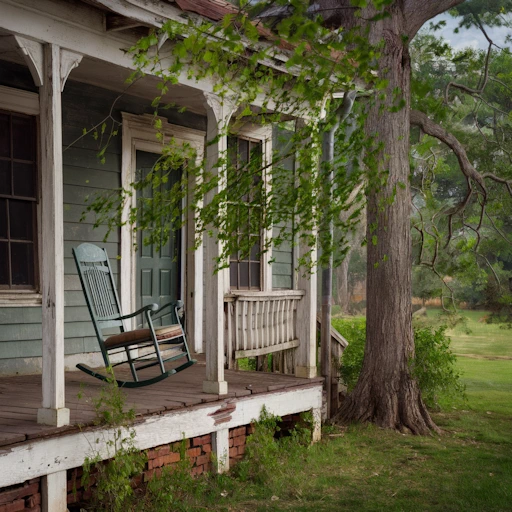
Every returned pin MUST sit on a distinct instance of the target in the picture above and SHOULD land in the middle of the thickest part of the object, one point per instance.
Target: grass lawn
(363, 468)
(477, 337)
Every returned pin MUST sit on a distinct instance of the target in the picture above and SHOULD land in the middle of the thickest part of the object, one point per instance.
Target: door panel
(158, 270)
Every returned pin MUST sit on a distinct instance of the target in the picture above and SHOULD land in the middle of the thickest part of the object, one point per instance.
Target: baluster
(250, 325)
(256, 326)
(237, 325)
(230, 336)
(287, 319)
(244, 324)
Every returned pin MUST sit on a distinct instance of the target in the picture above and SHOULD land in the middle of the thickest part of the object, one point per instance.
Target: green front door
(158, 270)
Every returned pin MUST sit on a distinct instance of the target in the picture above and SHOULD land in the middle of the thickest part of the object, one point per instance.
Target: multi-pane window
(245, 185)
(18, 201)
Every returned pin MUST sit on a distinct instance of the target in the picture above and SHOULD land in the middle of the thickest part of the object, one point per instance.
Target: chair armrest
(149, 307)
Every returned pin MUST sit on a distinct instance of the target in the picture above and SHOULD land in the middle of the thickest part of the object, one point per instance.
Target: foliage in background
(433, 366)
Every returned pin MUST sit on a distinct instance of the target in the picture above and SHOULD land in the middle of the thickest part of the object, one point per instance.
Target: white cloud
(472, 37)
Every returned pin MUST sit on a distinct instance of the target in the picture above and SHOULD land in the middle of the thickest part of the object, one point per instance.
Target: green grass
(467, 468)
(476, 337)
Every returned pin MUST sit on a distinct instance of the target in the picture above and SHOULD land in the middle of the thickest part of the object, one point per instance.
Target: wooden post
(54, 492)
(56, 67)
(220, 447)
(305, 361)
(219, 112)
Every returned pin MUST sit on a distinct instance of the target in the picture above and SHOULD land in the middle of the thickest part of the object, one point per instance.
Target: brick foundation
(24, 497)
(198, 452)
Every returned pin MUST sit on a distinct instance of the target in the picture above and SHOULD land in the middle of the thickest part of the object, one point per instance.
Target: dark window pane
(21, 220)
(5, 136)
(22, 260)
(5, 177)
(233, 274)
(4, 263)
(244, 274)
(24, 176)
(255, 252)
(243, 150)
(255, 275)
(3, 218)
(23, 138)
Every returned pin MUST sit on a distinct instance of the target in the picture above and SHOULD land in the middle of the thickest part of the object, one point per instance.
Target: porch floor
(20, 398)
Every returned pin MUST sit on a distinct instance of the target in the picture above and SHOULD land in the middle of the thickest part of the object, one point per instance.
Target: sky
(472, 37)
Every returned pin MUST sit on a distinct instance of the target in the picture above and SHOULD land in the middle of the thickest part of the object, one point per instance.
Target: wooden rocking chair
(144, 347)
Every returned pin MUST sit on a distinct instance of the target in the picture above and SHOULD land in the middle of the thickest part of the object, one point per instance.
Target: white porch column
(54, 492)
(56, 65)
(219, 112)
(220, 447)
(305, 358)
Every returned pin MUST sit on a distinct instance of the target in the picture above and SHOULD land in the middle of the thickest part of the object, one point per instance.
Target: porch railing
(259, 323)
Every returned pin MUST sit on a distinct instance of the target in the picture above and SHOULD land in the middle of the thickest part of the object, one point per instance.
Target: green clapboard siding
(84, 176)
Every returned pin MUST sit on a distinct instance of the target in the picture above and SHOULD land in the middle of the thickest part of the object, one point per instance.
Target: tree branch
(417, 12)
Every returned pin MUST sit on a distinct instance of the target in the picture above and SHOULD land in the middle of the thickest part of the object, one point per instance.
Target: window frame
(261, 135)
(17, 101)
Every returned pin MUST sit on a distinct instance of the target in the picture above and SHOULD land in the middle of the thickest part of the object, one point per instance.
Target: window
(245, 157)
(18, 201)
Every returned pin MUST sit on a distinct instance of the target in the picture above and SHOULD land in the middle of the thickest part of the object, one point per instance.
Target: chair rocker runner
(144, 347)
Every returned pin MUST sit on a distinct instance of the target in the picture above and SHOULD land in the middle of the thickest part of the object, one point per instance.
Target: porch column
(305, 358)
(219, 111)
(54, 492)
(306, 355)
(56, 65)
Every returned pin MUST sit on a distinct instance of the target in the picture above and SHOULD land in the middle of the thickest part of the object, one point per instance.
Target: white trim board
(140, 134)
(38, 458)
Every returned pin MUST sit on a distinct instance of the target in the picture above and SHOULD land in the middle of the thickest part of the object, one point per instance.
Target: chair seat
(141, 335)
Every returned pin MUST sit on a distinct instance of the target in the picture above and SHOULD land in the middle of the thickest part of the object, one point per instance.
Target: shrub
(433, 366)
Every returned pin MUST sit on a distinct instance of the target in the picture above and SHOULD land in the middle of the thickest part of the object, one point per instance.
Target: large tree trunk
(386, 394)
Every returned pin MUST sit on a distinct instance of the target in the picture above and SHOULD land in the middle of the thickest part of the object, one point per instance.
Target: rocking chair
(143, 348)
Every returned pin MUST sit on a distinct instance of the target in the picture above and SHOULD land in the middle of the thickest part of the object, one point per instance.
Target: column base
(215, 387)
(53, 417)
(305, 372)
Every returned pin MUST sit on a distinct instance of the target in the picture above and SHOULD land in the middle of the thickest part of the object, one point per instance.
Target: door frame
(139, 134)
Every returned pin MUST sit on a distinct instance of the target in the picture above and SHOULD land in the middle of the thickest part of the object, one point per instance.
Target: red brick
(159, 451)
(250, 429)
(176, 447)
(156, 463)
(241, 449)
(37, 508)
(198, 470)
(240, 431)
(14, 506)
(6, 497)
(32, 501)
(207, 448)
(202, 459)
(233, 452)
(193, 452)
(231, 432)
(171, 458)
(239, 441)
(231, 442)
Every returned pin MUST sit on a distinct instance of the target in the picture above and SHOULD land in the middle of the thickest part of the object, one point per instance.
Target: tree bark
(386, 393)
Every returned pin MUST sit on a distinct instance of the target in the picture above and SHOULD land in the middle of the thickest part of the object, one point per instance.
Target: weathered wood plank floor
(20, 398)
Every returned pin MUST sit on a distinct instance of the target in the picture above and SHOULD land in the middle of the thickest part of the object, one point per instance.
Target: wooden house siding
(83, 106)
